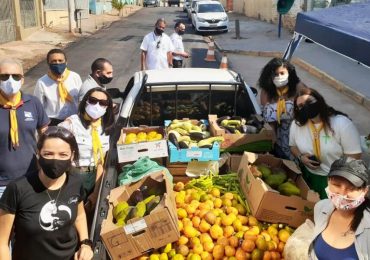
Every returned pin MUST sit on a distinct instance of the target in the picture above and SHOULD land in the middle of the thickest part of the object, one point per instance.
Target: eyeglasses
(16, 77)
(93, 101)
(158, 44)
(53, 130)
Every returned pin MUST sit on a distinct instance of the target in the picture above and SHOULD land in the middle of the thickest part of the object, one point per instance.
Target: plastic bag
(298, 243)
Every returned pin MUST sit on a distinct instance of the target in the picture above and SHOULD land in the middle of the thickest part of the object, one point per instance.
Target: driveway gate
(7, 21)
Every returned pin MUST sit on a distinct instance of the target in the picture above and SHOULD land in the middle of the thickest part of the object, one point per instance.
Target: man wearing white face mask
(20, 115)
(279, 83)
(91, 127)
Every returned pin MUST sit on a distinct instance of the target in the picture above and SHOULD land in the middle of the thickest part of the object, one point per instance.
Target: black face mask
(181, 32)
(54, 168)
(308, 111)
(104, 79)
(158, 31)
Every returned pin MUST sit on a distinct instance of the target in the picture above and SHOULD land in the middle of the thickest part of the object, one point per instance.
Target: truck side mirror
(255, 91)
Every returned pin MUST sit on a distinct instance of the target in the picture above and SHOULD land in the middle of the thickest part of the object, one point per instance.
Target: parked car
(186, 5)
(154, 3)
(174, 2)
(191, 7)
(153, 96)
(209, 16)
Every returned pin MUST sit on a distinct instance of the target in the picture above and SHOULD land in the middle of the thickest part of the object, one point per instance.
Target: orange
(248, 245)
(218, 251)
(229, 250)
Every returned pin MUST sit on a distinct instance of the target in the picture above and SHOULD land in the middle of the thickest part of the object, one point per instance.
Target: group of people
(326, 145)
(52, 147)
(49, 184)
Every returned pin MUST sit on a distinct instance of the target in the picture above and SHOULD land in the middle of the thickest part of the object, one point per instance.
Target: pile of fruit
(142, 112)
(276, 178)
(214, 224)
(238, 125)
(186, 134)
(132, 138)
(138, 205)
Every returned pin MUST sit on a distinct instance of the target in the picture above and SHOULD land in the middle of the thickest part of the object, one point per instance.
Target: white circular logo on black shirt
(53, 217)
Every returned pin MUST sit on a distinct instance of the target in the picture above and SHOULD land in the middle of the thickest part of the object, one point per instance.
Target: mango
(289, 188)
(265, 170)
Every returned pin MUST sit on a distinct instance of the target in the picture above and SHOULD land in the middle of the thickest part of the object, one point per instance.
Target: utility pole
(71, 15)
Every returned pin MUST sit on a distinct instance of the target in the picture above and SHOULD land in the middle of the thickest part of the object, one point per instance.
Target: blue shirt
(324, 251)
(16, 162)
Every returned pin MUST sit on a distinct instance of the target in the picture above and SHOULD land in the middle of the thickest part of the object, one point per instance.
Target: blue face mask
(58, 69)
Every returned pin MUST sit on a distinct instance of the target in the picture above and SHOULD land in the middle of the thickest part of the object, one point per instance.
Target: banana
(140, 209)
(209, 141)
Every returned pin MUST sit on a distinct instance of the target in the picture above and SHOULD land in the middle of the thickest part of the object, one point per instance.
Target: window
(210, 8)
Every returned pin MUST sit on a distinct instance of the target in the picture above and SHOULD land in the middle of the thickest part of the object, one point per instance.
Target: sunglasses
(53, 130)
(158, 44)
(16, 77)
(94, 101)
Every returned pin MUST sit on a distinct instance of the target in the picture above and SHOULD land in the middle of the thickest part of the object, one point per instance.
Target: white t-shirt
(156, 58)
(84, 140)
(88, 84)
(346, 140)
(46, 90)
(177, 45)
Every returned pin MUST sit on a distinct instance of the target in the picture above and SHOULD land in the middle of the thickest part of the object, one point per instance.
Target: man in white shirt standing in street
(178, 54)
(58, 89)
(156, 48)
(101, 74)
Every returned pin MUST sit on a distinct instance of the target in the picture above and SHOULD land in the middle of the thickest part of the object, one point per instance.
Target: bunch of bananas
(238, 125)
(132, 138)
(185, 134)
(123, 212)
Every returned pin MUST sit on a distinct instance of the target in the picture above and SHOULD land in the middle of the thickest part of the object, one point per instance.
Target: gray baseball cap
(355, 171)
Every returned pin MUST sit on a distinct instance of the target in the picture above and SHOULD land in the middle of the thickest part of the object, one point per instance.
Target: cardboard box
(235, 140)
(132, 152)
(141, 235)
(268, 204)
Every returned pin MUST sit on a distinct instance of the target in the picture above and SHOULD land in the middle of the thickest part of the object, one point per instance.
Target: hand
(309, 163)
(185, 55)
(84, 253)
(90, 203)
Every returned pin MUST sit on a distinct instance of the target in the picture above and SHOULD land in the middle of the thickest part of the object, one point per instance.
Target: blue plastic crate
(194, 153)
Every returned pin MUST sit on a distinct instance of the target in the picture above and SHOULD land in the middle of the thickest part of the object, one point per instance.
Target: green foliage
(118, 5)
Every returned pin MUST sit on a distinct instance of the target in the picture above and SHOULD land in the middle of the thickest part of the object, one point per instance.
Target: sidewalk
(260, 38)
(33, 50)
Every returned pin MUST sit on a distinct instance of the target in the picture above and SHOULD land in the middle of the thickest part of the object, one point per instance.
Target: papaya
(289, 188)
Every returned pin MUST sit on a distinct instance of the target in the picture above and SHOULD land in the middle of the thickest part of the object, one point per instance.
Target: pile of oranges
(214, 225)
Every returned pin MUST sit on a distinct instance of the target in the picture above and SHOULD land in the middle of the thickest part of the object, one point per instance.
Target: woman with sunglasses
(279, 83)
(20, 116)
(342, 222)
(45, 206)
(91, 127)
(319, 135)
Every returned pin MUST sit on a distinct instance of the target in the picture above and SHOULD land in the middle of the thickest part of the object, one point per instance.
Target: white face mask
(10, 86)
(281, 81)
(95, 111)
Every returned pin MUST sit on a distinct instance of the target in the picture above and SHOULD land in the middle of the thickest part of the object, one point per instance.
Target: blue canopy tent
(344, 29)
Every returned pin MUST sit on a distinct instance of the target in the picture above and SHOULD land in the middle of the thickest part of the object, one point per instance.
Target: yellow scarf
(13, 116)
(62, 89)
(316, 138)
(96, 143)
(280, 106)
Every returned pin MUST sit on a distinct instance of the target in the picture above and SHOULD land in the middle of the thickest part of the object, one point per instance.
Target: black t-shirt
(44, 227)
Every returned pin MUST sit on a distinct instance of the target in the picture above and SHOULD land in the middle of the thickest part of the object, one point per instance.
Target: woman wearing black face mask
(45, 207)
(320, 135)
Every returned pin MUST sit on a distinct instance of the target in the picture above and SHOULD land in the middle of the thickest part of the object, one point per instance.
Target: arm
(169, 58)
(301, 85)
(93, 197)
(143, 59)
(264, 98)
(6, 224)
(85, 251)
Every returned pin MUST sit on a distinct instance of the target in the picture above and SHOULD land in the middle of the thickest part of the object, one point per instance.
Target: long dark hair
(61, 133)
(108, 117)
(266, 83)
(326, 111)
(359, 213)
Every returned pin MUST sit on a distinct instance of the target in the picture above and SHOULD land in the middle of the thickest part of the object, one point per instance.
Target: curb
(334, 83)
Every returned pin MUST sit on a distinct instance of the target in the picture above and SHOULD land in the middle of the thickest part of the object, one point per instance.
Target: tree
(118, 5)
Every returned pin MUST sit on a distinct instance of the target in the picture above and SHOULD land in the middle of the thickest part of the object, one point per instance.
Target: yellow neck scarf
(280, 106)
(13, 116)
(316, 138)
(62, 89)
(96, 143)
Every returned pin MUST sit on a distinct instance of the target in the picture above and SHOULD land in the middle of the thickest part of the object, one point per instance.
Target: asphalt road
(120, 43)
